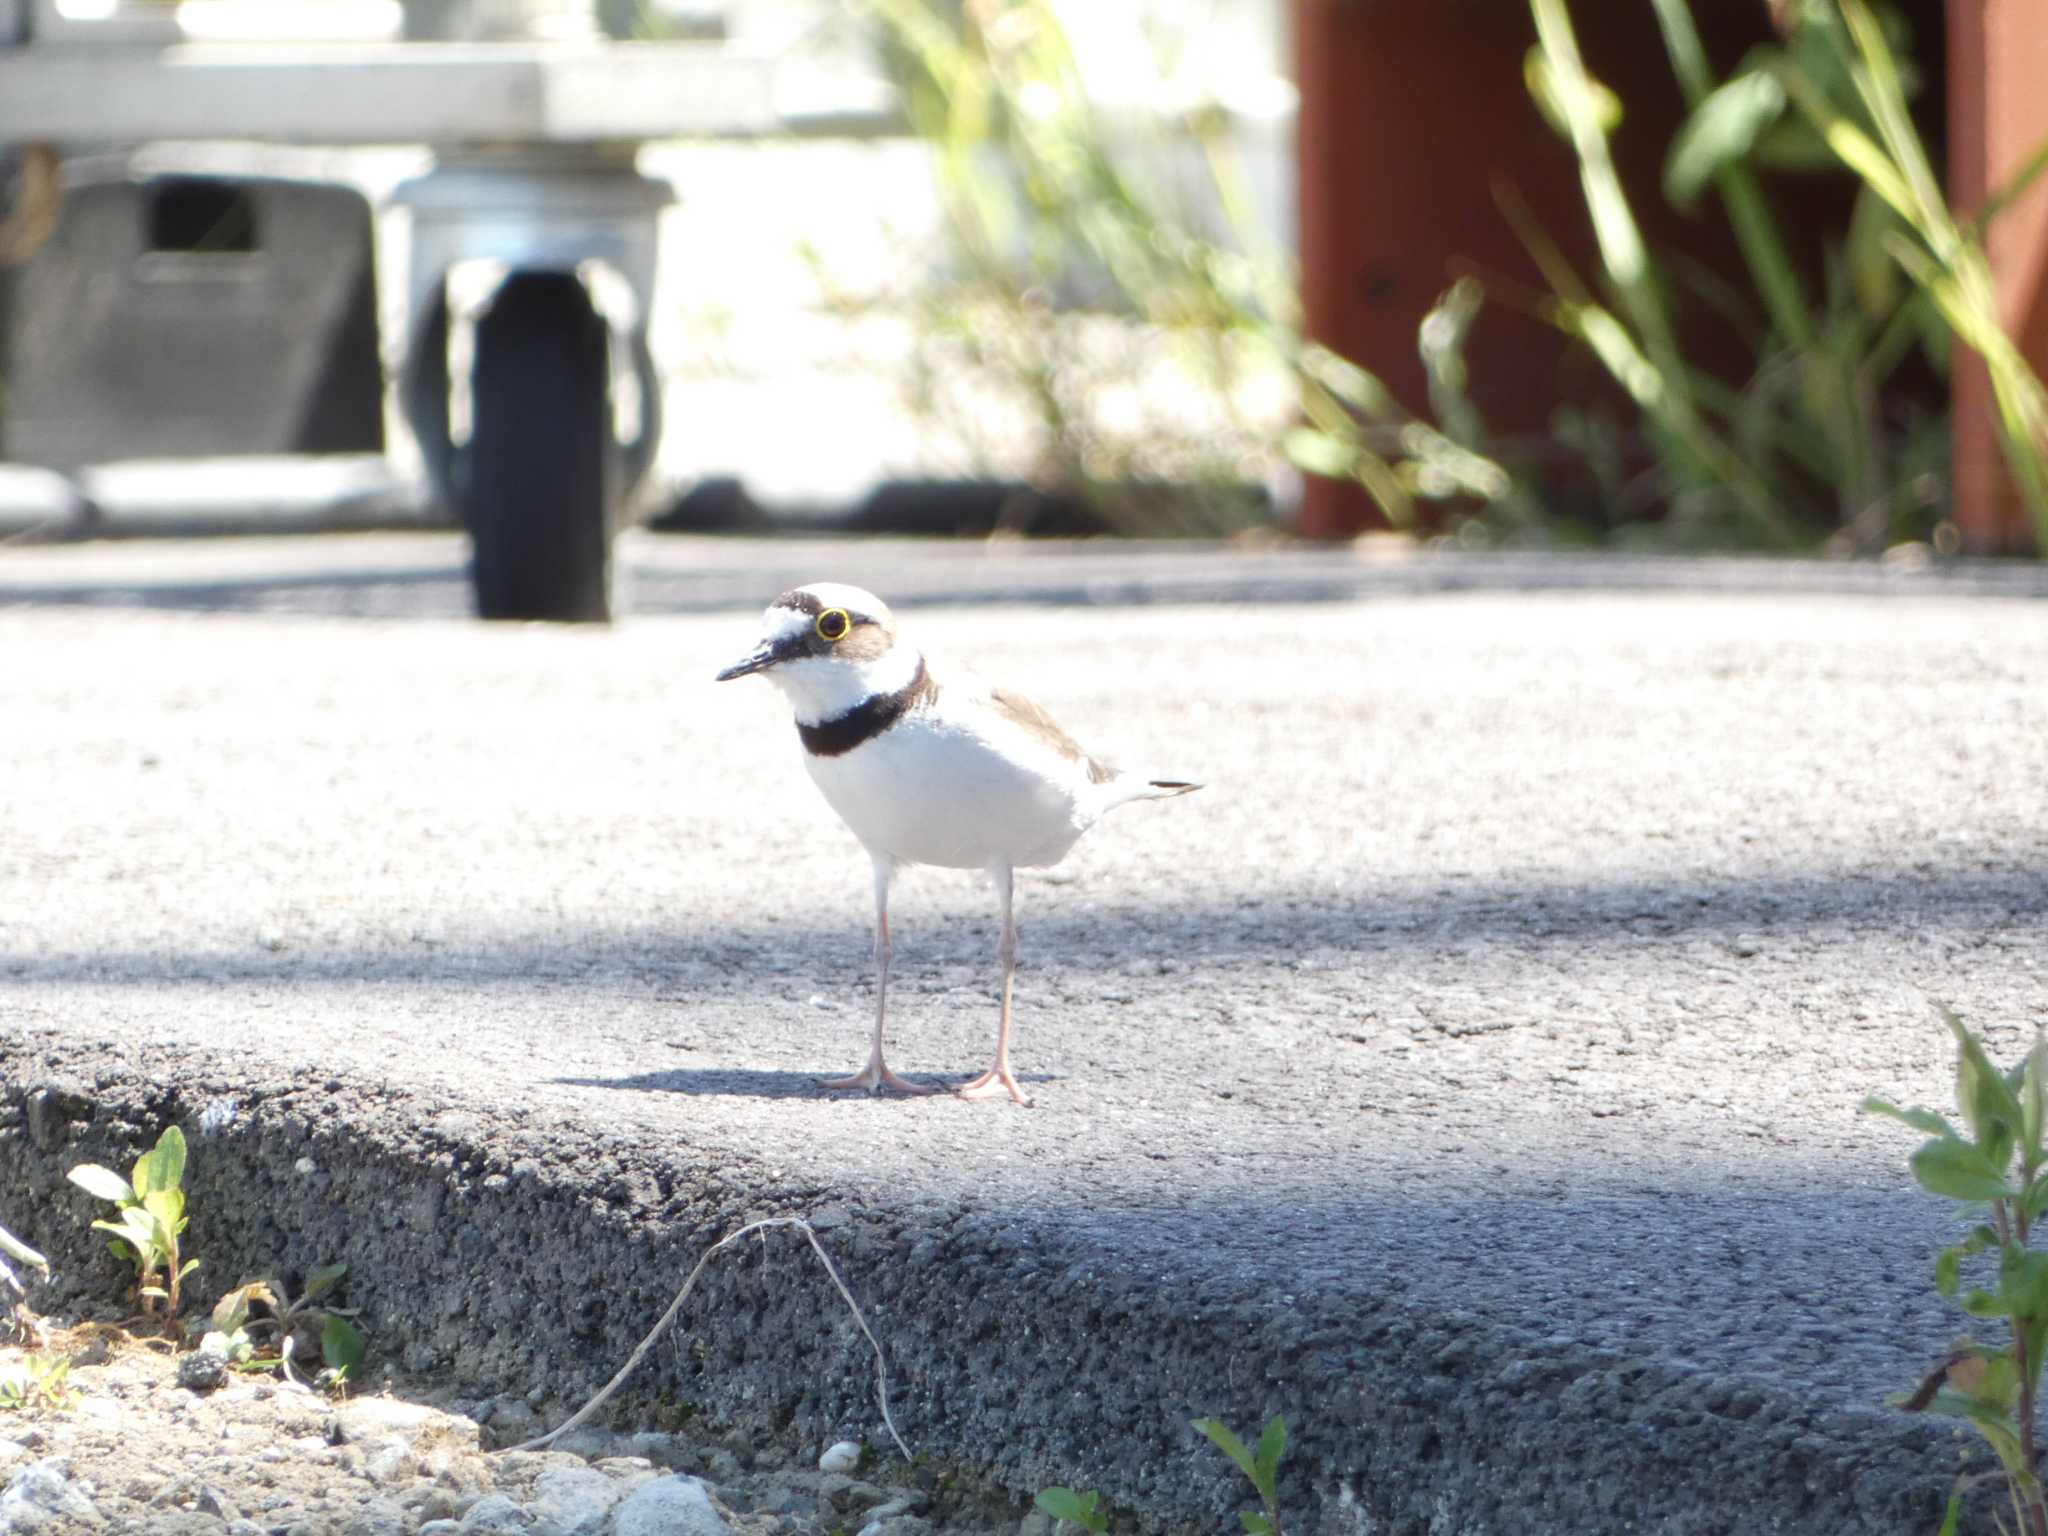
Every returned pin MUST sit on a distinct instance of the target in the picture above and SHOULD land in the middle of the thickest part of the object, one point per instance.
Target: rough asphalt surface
(1468, 1073)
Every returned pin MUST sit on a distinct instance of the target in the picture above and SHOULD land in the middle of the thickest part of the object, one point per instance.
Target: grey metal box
(185, 315)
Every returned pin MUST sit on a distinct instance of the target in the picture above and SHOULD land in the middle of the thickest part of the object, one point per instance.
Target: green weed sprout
(1261, 1467)
(1995, 1163)
(150, 1217)
(1075, 1508)
(37, 1379)
(261, 1320)
(1084, 1509)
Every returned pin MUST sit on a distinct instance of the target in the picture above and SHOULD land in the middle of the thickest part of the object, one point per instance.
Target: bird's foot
(995, 1080)
(876, 1076)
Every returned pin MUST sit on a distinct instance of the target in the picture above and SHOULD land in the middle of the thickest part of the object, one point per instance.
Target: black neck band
(865, 721)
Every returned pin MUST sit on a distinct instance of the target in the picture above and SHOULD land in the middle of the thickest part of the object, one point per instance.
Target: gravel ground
(1469, 1072)
(133, 1448)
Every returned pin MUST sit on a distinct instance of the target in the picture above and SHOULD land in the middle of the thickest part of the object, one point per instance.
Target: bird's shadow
(754, 1083)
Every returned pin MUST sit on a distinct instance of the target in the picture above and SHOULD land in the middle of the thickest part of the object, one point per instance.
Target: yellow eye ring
(834, 624)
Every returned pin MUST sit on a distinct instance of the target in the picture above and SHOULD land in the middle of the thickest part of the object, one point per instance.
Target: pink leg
(876, 1075)
(997, 1079)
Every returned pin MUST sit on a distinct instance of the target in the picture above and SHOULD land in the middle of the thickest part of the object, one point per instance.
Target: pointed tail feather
(1126, 787)
(1159, 789)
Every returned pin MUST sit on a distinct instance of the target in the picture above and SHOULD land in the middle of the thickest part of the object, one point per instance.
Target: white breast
(963, 791)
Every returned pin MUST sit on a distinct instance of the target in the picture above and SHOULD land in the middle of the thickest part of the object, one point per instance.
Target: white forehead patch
(837, 594)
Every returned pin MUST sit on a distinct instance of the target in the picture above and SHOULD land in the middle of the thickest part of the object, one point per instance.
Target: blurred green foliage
(1815, 440)
(1082, 271)
(1127, 314)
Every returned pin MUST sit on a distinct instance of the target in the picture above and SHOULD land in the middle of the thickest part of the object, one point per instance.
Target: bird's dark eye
(833, 624)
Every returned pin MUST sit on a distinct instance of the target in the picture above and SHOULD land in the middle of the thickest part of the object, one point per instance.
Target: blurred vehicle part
(524, 368)
(193, 315)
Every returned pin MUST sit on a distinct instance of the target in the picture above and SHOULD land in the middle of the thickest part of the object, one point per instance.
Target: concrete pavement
(1469, 1072)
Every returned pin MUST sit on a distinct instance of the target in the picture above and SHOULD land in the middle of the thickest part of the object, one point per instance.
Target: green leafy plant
(1873, 135)
(1070, 1507)
(1261, 1466)
(1994, 1164)
(37, 1379)
(1814, 436)
(150, 1218)
(1133, 325)
(266, 1328)
(1801, 420)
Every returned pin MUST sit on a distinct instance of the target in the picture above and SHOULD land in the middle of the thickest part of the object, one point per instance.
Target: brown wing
(1030, 717)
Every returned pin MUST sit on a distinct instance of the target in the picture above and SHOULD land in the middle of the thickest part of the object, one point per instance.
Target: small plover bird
(929, 770)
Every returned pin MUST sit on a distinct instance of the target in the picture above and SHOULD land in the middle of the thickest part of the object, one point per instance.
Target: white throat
(825, 687)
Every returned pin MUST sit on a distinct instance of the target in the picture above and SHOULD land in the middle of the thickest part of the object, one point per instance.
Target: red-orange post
(1998, 117)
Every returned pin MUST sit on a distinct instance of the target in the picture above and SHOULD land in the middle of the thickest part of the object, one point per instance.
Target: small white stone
(669, 1506)
(38, 1493)
(389, 1459)
(842, 1457)
(494, 1515)
(572, 1501)
(220, 1113)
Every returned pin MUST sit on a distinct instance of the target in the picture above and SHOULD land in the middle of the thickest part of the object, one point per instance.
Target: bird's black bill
(759, 659)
